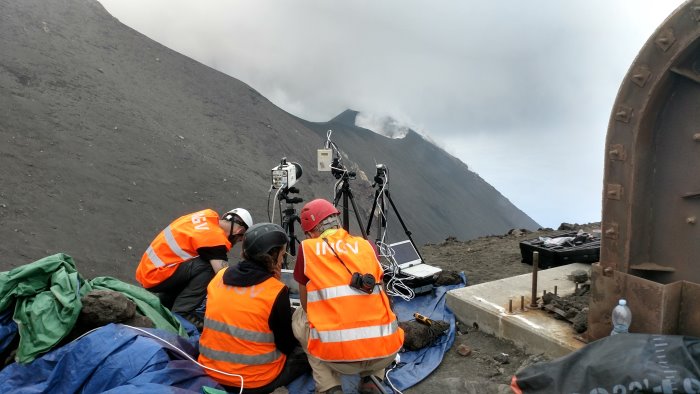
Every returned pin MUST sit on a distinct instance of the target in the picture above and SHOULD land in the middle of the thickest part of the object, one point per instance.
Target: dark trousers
(185, 290)
(296, 365)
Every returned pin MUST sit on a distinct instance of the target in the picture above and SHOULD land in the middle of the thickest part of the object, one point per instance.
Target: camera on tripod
(286, 174)
(364, 283)
(338, 170)
(380, 177)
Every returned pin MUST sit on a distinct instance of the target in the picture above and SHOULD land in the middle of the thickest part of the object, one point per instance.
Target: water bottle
(621, 318)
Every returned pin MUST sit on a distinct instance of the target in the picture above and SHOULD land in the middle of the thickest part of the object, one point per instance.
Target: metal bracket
(617, 152)
(641, 75)
(613, 191)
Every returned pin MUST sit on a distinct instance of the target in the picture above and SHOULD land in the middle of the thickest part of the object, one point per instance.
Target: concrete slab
(535, 331)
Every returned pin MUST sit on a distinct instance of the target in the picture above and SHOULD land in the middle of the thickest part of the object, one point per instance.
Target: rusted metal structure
(650, 250)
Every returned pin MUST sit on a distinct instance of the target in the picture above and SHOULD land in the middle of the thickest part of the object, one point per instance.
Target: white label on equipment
(325, 158)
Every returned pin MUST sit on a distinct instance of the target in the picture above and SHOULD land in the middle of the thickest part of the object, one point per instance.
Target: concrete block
(534, 330)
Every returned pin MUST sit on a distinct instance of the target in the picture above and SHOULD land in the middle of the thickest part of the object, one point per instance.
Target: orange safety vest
(346, 324)
(237, 337)
(178, 243)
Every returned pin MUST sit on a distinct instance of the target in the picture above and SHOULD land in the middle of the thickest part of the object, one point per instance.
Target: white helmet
(241, 213)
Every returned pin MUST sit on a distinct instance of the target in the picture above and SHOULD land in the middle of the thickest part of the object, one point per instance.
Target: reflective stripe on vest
(237, 337)
(174, 246)
(259, 359)
(346, 324)
(241, 333)
(353, 334)
(334, 292)
(177, 243)
(154, 257)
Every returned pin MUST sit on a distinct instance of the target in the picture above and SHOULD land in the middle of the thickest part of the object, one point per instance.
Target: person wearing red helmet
(345, 324)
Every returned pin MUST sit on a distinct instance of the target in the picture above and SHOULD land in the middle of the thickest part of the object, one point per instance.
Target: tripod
(346, 193)
(382, 184)
(289, 217)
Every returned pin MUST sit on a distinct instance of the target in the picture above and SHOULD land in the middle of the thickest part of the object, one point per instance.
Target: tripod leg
(338, 194)
(357, 213)
(371, 213)
(346, 212)
(398, 215)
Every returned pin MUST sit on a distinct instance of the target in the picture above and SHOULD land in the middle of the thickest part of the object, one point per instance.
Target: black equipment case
(585, 249)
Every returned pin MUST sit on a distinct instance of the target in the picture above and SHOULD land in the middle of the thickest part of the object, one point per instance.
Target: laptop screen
(405, 254)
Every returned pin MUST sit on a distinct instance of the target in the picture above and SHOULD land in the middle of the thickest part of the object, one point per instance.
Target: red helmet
(314, 212)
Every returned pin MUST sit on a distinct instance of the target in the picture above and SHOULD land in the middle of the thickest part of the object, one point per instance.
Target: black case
(554, 256)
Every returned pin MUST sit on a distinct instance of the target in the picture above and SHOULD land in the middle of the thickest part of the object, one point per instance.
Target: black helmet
(262, 237)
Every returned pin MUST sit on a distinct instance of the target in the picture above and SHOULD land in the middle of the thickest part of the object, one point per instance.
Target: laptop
(288, 279)
(405, 255)
(409, 262)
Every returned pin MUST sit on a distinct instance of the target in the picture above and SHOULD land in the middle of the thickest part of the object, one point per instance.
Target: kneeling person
(346, 325)
(247, 323)
(184, 257)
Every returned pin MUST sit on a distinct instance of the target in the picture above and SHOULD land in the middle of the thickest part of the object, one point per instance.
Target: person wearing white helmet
(184, 257)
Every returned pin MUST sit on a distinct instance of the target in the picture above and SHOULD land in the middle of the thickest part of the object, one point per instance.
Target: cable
(395, 364)
(269, 193)
(181, 352)
(272, 218)
(395, 286)
(172, 347)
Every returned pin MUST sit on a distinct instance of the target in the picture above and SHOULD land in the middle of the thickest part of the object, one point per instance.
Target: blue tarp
(416, 365)
(8, 328)
(117, 359)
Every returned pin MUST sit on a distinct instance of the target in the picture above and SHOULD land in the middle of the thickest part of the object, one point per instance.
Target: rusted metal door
(650, 251)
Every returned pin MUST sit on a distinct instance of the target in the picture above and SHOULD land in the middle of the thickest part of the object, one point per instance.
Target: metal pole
(535, 264)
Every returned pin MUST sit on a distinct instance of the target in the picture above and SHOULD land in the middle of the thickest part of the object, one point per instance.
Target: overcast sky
(520, 91)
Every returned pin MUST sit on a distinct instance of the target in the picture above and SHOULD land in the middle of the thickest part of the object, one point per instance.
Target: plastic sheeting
(113, 359)
(117, 359)
(416, 365)
(623, 363)
(46, 297)
(8, 329)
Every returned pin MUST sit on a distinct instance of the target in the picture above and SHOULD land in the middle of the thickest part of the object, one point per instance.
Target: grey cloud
(490, 73)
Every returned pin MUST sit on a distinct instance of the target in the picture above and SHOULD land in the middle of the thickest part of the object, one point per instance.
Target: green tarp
(46, 296)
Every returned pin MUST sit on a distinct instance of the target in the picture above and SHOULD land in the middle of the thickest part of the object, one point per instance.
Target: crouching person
(346, 325)
(247, 323)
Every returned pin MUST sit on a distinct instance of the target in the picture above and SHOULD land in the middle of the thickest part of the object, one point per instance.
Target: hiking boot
(367, 386)
(333, 390)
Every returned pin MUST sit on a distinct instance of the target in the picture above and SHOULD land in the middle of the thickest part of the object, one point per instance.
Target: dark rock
(451, 239)
(464, 350)
(579, 276)
(448, 278)
(502, 358)
(139, 320)
(583, 290)
(418, 335)
(461, 328)
(515, 232)
(567, 227)
(101, 307)
(580, 321)
(548, 297)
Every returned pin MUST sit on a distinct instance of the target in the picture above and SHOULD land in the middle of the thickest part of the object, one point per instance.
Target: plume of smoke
(382, 124)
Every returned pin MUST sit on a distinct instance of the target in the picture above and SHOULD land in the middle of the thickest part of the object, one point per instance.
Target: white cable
(269, 193)
(386, 376)
(182, 352)
(173, 347)
(395, 286)
(272, 218)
